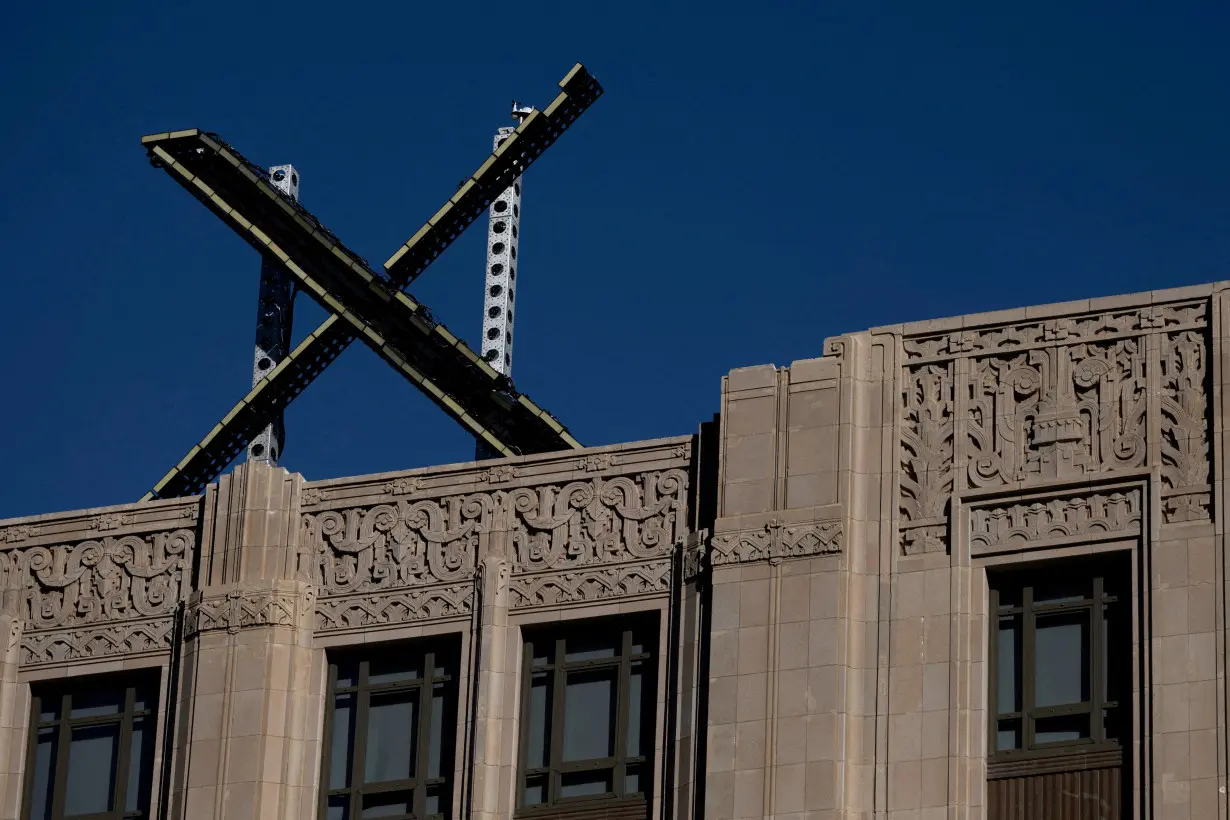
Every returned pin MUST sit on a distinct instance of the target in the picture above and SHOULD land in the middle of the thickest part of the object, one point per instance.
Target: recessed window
(91, 748)
(587, 714)
(389, 732)
(1059, 647)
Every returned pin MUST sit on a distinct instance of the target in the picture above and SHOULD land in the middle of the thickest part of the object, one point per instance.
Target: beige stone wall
(864, 495)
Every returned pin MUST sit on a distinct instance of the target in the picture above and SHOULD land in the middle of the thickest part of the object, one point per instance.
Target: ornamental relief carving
(776, 540)
(1057, 412)
(1016, 525)
(1055, 399)
(112, 595)
(592, 584)
(373, 550)
(239, 609)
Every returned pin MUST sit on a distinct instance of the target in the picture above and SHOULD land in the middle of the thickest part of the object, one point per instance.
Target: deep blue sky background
(757, 177)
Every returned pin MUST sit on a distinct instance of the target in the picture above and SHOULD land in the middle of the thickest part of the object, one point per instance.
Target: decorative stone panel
(1019, 524)
(776, 540)
(599, 526)
(100, 584)
(1055, 400)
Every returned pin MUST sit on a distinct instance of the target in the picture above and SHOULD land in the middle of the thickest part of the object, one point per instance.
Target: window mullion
(1028, 663)
(326, 740)
(622, 691)
(60, 787)
(124, 759)
(993, 672)
(1096, 640)
(559, 683)
(358, 761)
(422, 755)
(527, 686)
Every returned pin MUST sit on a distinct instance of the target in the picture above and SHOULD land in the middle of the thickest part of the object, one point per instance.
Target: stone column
(251, 691)
(492, 768)
(14, 710)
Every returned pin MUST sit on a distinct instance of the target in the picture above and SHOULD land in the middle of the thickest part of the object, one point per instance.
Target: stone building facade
(962, 568)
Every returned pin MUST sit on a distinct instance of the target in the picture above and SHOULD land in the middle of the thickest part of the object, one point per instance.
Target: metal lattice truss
(363, 303)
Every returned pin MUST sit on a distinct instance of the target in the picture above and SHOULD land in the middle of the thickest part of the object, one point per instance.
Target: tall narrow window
(588, 693)
(389, 732)
(91, 748)
(1061, 684)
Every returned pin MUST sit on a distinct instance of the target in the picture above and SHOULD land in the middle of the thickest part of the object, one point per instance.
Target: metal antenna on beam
(500, 281)
(274, 313)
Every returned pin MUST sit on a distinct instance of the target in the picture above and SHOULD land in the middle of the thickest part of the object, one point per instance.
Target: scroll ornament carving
(1057, 412)
(776, 540)
(114, 595)
(1032, 523)
(926, 458)
(374, 550)
(1186, 493)
(591, 584)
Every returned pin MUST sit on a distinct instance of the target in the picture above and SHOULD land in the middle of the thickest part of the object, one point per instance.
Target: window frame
(148, 683)
(429, 654)
(1105, 604)
(643, 626)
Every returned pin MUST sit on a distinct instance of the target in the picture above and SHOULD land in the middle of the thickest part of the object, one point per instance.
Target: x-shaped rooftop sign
(363, 303)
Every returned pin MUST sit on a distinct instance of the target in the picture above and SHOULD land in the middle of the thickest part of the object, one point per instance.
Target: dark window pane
(92, 756)
(140, 765)
(1008, 735)
(347, 674)
(1056, 729)
(632, 782)
(539, 722)
(339, 808)
(391, 730)
(541, 653)
(97, 702)
(341, 745)
(634, 710)
(435, 743)
(535, 790)
(388, 804)
(394, 669)
(437, 800)
(590, 647)
(1007, 672)
(589, 711)
(44, 773)
(585, 784)
(1062, 591)
(49, 708)
(146, 698)
(1107, 637)
(1061, 659)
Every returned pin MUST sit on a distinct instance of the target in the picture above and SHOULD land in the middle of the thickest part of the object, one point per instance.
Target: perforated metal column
(500, 283)
(274, 312)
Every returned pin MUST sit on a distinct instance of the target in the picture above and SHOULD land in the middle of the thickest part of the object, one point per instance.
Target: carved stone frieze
(1186, 493)
(776, 540)
(1016, 525)
(110, 595)
(1065, 330)
(616, 581)
(926, 457)
(1054, 400)
(433, 545)
(97, 641)
(238, 608)
(1057, 412)
(394, 607)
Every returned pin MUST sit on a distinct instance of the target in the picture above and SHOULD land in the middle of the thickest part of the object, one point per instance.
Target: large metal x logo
(362, 303)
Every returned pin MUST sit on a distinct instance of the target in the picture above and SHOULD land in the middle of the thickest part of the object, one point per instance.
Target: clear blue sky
(758, 177)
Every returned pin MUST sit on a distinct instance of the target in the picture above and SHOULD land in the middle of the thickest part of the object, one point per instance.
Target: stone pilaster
(251, 693)
(494, 727)
(14, 713)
